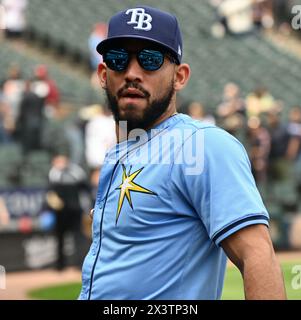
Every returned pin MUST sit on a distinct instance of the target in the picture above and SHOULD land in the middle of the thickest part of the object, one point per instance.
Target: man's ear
(102, 74)
(182, 75)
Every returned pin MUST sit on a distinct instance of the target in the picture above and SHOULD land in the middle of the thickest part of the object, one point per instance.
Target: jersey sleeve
(223, 194)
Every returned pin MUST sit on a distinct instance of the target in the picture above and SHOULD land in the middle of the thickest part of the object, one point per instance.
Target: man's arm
(251, 250)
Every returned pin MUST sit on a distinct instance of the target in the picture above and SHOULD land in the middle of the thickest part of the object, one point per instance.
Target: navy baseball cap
(145, 23)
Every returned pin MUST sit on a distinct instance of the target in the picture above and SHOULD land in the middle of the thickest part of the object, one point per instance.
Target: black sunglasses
(148, 59)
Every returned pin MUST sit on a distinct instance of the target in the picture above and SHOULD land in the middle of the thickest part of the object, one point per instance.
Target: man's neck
(123, 135)
(169, 113)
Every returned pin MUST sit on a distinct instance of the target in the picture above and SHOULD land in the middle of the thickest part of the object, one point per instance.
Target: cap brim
(105, 44)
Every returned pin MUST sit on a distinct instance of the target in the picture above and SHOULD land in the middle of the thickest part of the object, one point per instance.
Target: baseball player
(176, 196)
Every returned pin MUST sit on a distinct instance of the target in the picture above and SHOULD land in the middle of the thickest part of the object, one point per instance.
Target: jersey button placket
(95, 243)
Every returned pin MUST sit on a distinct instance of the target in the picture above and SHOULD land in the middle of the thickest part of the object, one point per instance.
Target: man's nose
(134, 71)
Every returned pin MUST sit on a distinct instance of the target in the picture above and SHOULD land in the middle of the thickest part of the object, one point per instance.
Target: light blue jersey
(159, 221)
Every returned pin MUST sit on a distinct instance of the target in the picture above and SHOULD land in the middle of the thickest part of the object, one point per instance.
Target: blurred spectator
(100, 136)
(54, 138)
(259, 145)
(66, 182)
(236, 16)
(259, 101)
(232, 102)
(12, 90)
(232, 112)
(240, 17)
(294, 146)
(281, 10)
(76, 141)
(282, 182)
(236, 126)
(6, 125)
(46, 88)
(294, 130)
(263, 14)
(14, 17)
(30, 121)
(62, 134)
(98, 34)
(197, 111)
(278, 166)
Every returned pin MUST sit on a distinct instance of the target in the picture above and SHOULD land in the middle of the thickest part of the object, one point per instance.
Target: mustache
(134, 85)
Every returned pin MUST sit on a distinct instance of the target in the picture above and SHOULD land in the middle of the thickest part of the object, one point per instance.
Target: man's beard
(150, 114)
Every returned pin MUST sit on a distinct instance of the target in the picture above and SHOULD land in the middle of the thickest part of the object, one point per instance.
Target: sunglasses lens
(150, 60)
(116, 60)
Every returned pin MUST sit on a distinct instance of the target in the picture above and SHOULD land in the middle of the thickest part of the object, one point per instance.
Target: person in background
(13, 87)
(98, 34)
(67, 181)
(232, 103)
(282, 182)
(259, 101)
(100, 136)
(197, 111)
(259, 143)
(294, 146)
(231, 112)
(14, 17)
(294, 130)
(6, 125)
(236, 16)
(30, 121)
(46, 88)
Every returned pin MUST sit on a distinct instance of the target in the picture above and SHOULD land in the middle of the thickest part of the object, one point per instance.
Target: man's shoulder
(209, 130)
(212, 137)
(186, 122)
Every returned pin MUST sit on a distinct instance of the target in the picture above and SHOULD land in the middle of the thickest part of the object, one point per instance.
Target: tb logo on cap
(139, 17)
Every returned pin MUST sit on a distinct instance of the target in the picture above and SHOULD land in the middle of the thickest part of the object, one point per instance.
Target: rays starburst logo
(127, 186)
